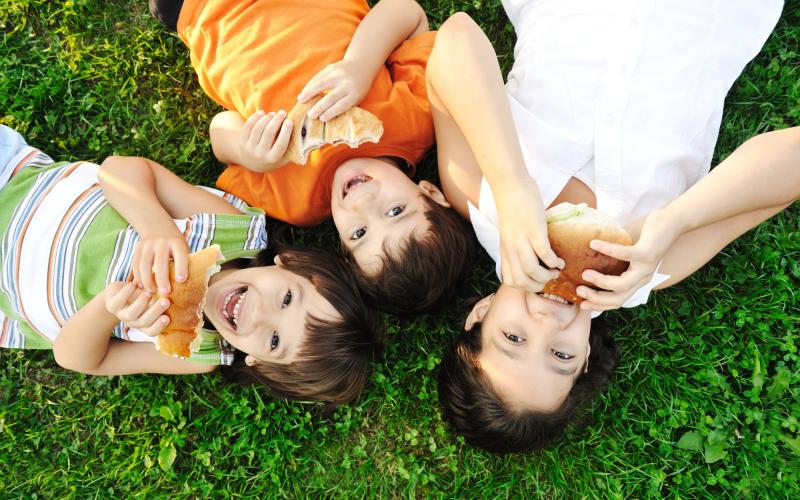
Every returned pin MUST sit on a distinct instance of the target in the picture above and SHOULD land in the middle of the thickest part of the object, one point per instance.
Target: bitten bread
(181, 337)
(570, 228)
(353, 127)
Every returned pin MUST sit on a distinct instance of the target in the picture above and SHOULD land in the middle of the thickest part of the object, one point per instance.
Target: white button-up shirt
(624, 95)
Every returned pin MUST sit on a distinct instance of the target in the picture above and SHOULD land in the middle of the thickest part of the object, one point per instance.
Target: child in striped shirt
(107, 234)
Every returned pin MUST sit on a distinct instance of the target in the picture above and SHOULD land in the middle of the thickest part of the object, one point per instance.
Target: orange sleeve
(408, 62)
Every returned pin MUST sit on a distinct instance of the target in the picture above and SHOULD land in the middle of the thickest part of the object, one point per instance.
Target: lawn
(705, 403)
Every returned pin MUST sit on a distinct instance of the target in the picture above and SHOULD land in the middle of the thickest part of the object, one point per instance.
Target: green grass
(705, 403)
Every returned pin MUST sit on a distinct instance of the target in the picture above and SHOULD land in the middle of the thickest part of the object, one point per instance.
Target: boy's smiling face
(376, 208)
(533, 347)
(262, 311)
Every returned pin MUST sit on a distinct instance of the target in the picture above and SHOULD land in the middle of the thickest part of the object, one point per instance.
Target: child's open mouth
(555, 298)
(232, 306)
(353, 183)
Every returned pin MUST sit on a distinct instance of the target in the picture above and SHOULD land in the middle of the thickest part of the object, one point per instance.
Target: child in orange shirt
(406, 243)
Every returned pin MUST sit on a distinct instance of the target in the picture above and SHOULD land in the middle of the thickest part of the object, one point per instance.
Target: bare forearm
(763, 172)
(224, 132)
(385, 27)
(130, 187)
(464, 73)
(83, 342)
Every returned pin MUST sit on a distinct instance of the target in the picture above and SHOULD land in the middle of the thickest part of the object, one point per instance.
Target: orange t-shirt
(252, 55)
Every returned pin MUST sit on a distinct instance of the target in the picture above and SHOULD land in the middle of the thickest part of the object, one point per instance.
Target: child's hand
(523, 238)
(264, 139)
(136, 308)
(346, 83)
(151, 260)
(656, 237)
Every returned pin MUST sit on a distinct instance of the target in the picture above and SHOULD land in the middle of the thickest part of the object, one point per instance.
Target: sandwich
(570, 228)
(182, 335)
(353, 127)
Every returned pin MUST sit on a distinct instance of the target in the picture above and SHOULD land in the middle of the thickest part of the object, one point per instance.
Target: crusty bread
(353, 127)
(180, 337)
(570, 228)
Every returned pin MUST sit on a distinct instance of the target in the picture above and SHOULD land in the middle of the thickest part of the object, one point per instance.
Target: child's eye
(562, 355)
(358, 233)
(275, 342)
(287, 299)
(395, 211)
(514, 338)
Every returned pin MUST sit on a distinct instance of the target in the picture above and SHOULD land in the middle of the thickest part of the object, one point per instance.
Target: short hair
(167, 12)
(426, 272)
(334, 358)
(475, 410)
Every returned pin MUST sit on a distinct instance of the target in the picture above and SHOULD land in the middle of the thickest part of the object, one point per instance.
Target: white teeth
(555, 298)
(227, 300)
(238, 308)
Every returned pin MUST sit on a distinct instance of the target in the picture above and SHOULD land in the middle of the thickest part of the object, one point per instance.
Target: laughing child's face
(534, 347)
(376, 208)
(262, 311)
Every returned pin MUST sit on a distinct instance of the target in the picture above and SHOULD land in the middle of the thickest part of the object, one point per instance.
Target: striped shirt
(61, 243)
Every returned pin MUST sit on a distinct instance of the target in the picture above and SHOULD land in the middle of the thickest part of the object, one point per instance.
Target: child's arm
(149, 196)
(85, 345)
(258, 143)
(476, 137)
(758, 180)
(379, 33)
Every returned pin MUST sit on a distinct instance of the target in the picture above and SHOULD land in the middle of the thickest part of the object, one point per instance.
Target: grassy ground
(705, 403)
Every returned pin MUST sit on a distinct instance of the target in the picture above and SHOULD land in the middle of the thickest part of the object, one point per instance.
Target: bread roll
(570, 228)
(181, 337)
(353, 127)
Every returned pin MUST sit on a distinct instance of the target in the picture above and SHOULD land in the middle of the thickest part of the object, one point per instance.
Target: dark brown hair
(333, 361)
(475, 410)
(426, 272)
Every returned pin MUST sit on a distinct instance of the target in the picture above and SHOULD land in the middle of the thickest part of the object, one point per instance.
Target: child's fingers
(151, 315)
(119, 299)
(337, 109)
(586, 305)
(146, 269)
(621, 252)
(319, 83)
(604, 281)
(180, 256)
(161, 269)
(530, 266)
(603, 299)
(547, 255)
(135, 266)
(518, 276)
(155, 327)
(267, 139)
(326, 102)
(247, 128)
(258, 130)
(131, 312)
(282, 141)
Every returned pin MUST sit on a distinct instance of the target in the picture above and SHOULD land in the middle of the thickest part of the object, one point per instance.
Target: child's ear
(434, 193)
(249, 360)
(478, 312)
(277, 260)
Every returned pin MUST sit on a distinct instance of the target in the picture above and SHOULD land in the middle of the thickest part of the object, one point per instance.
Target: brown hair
(475, 410)
(426, 272)
(333, 361)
